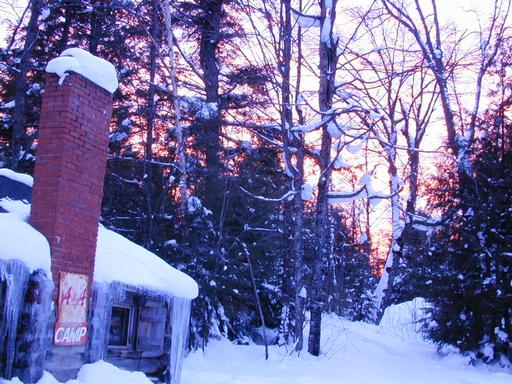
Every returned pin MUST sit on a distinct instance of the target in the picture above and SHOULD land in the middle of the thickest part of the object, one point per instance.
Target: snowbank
(19, 241)
(404, 319)
(351, 353)
(102, 372)
(99, 372)
(99, 71)
(118, 259)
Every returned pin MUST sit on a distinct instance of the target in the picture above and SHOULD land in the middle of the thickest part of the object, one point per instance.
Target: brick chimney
(69, 171)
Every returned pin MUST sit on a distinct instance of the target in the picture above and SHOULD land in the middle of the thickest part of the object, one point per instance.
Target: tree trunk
(258, 304)
(182, 163)
(19, 138)
(328, 61)
(284, 58)
(94, 37)
(385, 286)
(298, 241)
(150, 118)
(287, 283)
(298, 251)
(211, 124)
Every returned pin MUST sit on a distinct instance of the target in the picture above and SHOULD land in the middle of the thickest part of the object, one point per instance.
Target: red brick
(69, 172)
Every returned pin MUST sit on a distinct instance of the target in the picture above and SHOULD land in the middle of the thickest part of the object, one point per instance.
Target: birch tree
(176, 105)
(394, 83)
(328, 58)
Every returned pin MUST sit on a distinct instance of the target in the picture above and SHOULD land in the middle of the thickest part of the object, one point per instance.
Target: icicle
(180, 319)
(33, 332)
(15, 275)
(100, 320)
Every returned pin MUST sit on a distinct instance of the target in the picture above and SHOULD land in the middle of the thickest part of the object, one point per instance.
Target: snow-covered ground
(97, 373)
(352, 353)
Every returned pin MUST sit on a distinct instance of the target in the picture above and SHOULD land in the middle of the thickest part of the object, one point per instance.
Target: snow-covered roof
(99, 71)
(117, 258)
(19, 241)
(19, 177)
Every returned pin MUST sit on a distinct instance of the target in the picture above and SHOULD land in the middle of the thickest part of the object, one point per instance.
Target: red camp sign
(71, 326)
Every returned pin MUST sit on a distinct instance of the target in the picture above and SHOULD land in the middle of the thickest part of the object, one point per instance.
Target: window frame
(129, 327)
(135, 304)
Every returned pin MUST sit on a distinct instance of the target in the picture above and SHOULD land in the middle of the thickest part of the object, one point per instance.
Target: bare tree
(415, 109)
(150, 123)
(280, 49)
(298, 203)
(393, 82)
(425, 27)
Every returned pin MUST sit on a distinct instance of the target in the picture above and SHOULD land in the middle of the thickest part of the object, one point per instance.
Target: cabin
(71, 291)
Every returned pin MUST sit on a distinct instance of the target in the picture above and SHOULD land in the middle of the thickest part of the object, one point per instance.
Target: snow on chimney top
(99, 71)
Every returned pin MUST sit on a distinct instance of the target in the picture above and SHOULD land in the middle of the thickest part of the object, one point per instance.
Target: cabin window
(120, 326)
(137, 327)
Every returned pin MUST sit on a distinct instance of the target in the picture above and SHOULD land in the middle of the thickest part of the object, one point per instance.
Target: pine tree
(469, 283)
(226, 306)
(106, 29)
(351, 283)
(19, 119)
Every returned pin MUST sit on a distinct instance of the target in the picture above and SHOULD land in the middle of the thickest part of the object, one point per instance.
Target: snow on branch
(245, 124)
(422, 223)
(287, 196)
(306, 21)
(305, 128)
(365, 191)
(346, 197)
(155, 162)
(127, 181)
(247, 227)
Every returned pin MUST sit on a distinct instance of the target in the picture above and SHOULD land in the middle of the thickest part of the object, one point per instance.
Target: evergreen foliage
(470, 257)
(413, 271)
(350, 280)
